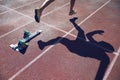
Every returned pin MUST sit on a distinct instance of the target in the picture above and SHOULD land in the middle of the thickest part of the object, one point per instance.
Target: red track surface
(57, 62)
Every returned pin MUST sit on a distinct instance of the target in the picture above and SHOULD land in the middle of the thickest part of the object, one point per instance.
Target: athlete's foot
(73, 19)
(38, 14)
(72, 12)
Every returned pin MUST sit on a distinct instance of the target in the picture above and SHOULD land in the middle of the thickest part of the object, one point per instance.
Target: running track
(57, 62)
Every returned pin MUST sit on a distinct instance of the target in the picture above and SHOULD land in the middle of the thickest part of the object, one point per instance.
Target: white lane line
(41, 21)
(15, 29)
(111, 65)
(57, 9)
(95, 11)
(10, 9)
(31, 18)
(42, 15)
(54, 27)
(29, 64)
(91, 14)
(39, 56)
(76, 36)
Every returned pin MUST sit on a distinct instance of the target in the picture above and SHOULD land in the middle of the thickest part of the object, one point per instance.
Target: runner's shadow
(85, 48)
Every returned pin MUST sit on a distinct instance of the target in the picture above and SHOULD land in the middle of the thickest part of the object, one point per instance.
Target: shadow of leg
(42, 44)
(103, 67)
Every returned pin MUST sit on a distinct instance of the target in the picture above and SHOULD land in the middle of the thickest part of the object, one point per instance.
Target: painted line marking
(30, 18)
(10, 9)
(111, 65)
(61, 29)
(15, 29)
(39, 56)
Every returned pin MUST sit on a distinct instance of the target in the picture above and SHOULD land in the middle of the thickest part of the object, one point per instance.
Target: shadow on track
(85, 48)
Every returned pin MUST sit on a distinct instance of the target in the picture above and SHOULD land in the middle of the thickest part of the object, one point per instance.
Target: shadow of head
(106, 46)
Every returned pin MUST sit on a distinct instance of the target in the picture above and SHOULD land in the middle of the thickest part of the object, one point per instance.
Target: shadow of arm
(91, 34)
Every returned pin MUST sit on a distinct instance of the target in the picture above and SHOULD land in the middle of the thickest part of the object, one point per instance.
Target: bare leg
(38, 12)
(45, 4)
(71, 12)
